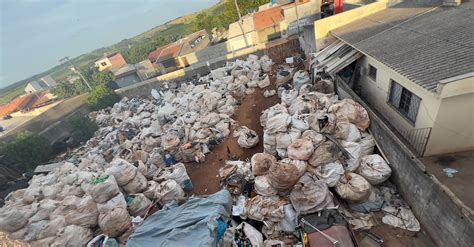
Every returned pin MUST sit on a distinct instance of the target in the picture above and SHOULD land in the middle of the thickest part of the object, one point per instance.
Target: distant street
(10, 124)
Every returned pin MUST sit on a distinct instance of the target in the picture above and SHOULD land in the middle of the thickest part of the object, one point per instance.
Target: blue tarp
(195, 223)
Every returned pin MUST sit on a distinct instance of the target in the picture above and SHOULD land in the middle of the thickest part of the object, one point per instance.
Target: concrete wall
(58, 113)
(238, 42)
(446, 219)
(324, 26)
(453, 129)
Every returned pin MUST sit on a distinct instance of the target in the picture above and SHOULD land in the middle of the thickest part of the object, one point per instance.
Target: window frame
(413, 101)
(374, 78)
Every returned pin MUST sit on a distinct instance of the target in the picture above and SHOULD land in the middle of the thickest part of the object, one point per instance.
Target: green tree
(102, 78)
(27, 151)
(102, 97)
(82, 128)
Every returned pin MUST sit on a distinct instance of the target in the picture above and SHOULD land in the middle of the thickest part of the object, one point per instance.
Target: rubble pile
(135, 160)
(317, 156)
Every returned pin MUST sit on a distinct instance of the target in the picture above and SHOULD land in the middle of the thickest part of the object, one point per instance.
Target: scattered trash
(449, 172)
(247, 138)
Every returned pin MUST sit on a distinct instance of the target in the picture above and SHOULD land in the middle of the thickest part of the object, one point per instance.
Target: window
(103, 64)
(405, 101)
(372, 72)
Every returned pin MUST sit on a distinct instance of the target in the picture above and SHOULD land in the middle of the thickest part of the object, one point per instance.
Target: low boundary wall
(446, 219)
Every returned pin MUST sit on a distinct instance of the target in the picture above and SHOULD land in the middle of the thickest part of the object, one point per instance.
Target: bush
(102, 97)
(27, 151)
(82, 128)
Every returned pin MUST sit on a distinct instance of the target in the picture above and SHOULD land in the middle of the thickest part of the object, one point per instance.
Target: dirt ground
(205, 175)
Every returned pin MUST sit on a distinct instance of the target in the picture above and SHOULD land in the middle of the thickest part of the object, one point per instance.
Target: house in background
(72, 78)
(111, 62)
(267, 24)
(300, 15)
(236, 39)
(414, 64)
(49, 81)
(126, 76)
(171, 57)
(36, 86)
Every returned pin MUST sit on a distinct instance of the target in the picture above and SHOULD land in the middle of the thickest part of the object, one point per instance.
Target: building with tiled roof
(267, 24)
(413, 62)
(111, 62)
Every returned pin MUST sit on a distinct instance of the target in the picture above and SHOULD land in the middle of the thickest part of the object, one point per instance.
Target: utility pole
(297, 18)
(74, 69)
(240, 24)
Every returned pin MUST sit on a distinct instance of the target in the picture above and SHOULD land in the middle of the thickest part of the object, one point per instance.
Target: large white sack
(283, 140)
(263, 81)
(300, 78)
(352, 111)
(265, 208)
(137, 204)
(374, 169)
(367, 144)
(283, 176)
(353, 187)
(301, 165)
(300, 149)
(14, 218)
(176, 172)
(137, 184)
(314, 136)
(325, 153)
(73, 236)
(115, 222)
(52, 227)
(101, 188)
(354, 150)
(401, 218)
(300, 122)
(288, 96)
(169, 191)
(84, 214)
(347, 132)
(331, 173)
(45, 208)
(261, 163)
(263, 187)
(277, 122)
(310, 195)
(117, 201)
(122, 170)
(255, 237)
(247, 138)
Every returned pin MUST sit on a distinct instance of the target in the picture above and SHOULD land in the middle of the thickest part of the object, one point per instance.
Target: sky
(35, 34)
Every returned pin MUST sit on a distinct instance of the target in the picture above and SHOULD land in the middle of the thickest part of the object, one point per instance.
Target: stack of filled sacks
(312, 142)
(131, 161)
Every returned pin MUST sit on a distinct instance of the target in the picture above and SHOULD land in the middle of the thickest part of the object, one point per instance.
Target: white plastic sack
(331, 173)
(269, 93)
(263, 187)
(401, 218)
(300, 149)
(354, 150)
(73, 236)
(84, 214)
(314, 136)
(265, 208)
(325, 153)
(300, 78)
(115, 222)
(122, 170)
(367, 144)
(310, 195)
(14, 218)
(137, 184)
(101, 188)
(374, 169)
(288, 96)
(247, 138)
(301, 165)
(261, 163)
(352, 111)
(169, 191)
(353, 187)
(137, 204)
(283, 176)
(254, 236)
(263, 81)
(299, 122)
(117, 201)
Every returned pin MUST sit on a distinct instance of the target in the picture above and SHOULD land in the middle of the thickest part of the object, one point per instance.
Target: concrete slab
(462, 180)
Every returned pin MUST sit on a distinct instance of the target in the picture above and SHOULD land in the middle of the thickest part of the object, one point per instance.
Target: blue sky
(34, 34)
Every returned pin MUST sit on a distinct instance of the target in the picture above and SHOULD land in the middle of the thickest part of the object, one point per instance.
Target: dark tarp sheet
(192, 224)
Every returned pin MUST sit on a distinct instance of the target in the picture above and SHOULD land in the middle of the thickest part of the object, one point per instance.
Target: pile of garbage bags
(134, 161)
(316, 148)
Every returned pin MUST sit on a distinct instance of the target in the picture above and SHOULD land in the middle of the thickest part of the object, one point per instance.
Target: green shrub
(82, 128)
(102, 97)
(27, 151)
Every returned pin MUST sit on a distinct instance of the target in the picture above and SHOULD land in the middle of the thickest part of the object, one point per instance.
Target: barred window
(405, 101)
(372, 72)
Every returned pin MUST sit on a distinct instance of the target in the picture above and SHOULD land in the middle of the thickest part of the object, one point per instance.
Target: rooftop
(268, 17)
(422, 42)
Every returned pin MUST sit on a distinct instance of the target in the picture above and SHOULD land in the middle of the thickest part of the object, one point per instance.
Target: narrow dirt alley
(205, 175)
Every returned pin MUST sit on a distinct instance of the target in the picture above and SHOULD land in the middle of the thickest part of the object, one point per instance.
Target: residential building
(126, 76)
(49, 81)
(236, 39)
(73, 78)
(172, 56)
(146, 70)
(36, 86)
(267, 24)
(111, 62)
(414, 64)
(300, 14)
